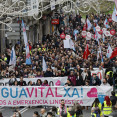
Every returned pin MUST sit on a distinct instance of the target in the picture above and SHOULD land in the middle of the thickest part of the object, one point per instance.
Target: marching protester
(43, 112)
(98, 107)
(82, 59)
(36, 114)
(114, 112)
(78, 109)
(93, 112)
(68, 83)
(105, 83)
(22, 82)
(62, 110)
(113, 98)
(107, 107)
(95, 81)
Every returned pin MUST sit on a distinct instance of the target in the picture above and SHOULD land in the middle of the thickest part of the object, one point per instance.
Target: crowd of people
(108, 109)
(65, 62)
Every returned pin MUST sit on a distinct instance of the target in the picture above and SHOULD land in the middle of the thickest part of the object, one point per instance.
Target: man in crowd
(105, 83)
(22, 82)
(62, 110)
(43, 112)
(113, 98)
(72, 77)
(36, 114)
(95, 81)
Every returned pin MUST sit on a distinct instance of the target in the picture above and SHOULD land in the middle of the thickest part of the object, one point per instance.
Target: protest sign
(51, 96)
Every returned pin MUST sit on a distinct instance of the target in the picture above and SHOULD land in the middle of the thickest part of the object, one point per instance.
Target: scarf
(64, 109)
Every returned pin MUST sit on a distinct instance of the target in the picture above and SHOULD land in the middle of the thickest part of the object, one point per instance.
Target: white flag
(28, 59)
(13, 57)
(44, 66)
(114, 15)
(71, 44)
(109, 52)
(89, 25)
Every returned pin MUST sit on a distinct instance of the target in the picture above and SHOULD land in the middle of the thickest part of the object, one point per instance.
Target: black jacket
(110, 81)
(48, 74)
(113, 100)
(79, 81)
(22, 83)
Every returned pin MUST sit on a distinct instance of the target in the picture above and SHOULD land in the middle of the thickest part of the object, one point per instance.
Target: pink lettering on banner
(9, 103)
(26, 102)
(92, 93)
(30, 94)
(2, 102)
(41, 90)
(49, 92)
(56, 95)
(35, 92)
(58, 83)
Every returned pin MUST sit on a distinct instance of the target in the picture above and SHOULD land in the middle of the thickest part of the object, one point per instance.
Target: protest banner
(52, 81)
(99, 73)
(51, 96)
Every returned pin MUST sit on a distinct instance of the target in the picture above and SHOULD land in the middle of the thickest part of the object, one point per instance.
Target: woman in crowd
(68, 83)
(78, 110)
(107, 106)
(45, 83)
(16, 83)
(79, 80)
(98, 107)
(30, 83)
(39, 82)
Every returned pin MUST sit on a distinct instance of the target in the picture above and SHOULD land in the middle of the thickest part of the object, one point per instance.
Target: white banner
(52, 81)
(51, 96)
(99, 73)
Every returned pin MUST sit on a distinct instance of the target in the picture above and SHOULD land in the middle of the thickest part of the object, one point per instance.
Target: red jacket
(73, 79)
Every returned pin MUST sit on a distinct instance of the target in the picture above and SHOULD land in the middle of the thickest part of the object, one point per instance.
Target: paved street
(28, 112)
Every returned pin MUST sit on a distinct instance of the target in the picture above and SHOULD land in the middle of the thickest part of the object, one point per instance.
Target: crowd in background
(65, 62)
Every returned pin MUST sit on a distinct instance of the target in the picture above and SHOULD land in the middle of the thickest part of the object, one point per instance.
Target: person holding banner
(109, 80)
(68, 83)
(79, 80)
(105, 83)
(39, 82)
(22, 82)
(95, 81)
(45, 83)
(72, 77)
